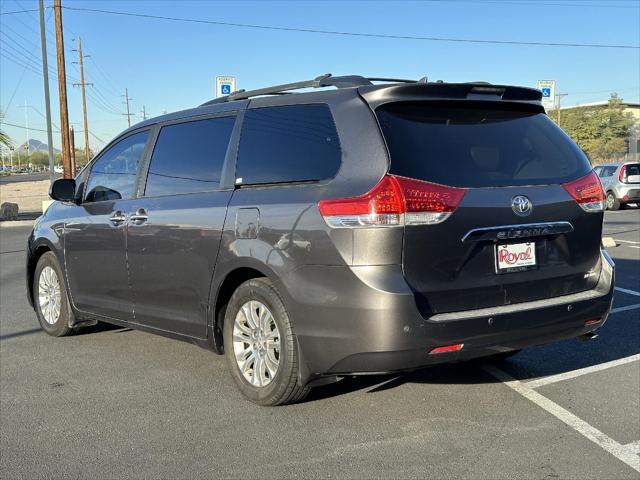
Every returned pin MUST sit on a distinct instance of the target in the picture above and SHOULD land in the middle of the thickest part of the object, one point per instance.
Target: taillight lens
(622, 176)
(587, 191)
(394, 201)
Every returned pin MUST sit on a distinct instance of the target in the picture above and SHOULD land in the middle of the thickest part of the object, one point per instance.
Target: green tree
(5, 140)
(600, 130)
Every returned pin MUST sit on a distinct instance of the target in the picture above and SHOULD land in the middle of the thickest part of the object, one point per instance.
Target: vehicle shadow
(102, 327)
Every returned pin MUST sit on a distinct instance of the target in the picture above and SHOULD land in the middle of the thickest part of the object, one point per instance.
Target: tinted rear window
(188, 157)
(633, 169)
(288, 144)
(478, 147)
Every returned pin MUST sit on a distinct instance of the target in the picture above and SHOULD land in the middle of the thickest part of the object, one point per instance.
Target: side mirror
(63, 189)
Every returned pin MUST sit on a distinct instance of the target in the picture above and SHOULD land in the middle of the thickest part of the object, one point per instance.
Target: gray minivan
(372, 226)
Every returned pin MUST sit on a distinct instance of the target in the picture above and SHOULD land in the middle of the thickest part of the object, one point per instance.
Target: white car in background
(621, 183)
(58, 169)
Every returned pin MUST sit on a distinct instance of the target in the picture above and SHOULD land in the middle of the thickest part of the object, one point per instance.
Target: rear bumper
(630, 191)
(351, 321)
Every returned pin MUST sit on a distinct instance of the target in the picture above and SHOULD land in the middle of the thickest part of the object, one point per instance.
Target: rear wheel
(261, 350)
(50, 297)
(612, 202)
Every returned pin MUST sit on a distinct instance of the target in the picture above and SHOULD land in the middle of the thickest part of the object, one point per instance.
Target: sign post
(548, 89)
(225, 85)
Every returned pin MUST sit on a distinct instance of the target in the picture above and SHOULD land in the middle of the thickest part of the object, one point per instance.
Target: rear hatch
(519, 232)
(630, 173)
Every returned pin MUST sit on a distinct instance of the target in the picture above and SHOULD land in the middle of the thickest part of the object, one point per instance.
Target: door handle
(139, 217)
(117, 217)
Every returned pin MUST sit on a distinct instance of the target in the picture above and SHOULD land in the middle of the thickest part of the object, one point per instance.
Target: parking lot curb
(16, 223)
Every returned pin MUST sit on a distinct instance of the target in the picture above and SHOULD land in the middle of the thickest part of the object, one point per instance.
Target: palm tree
(5, 141)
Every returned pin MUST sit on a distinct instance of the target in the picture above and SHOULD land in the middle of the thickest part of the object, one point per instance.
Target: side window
(598, 171)
(113, 175)
(188, 157)
(288, 144)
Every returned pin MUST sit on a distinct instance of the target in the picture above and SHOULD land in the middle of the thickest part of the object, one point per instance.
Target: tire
(258, 344)
(612, 202)
(54, 316)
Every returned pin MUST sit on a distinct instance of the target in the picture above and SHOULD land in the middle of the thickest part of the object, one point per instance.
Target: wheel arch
(32, 261)
(225, 287)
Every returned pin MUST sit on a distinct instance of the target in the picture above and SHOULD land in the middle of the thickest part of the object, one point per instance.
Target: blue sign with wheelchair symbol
(225, 88)
(546, 91)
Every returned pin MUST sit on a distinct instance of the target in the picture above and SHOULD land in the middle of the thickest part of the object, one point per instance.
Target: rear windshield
(633, 169)
(464, 146)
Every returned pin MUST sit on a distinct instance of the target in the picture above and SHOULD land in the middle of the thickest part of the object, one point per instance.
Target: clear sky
(170, 65)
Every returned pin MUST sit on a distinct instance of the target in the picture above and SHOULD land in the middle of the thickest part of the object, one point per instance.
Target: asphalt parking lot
(113, 402)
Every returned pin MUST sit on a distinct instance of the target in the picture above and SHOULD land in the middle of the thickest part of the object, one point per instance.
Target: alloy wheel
(256, 343)
(49, 295)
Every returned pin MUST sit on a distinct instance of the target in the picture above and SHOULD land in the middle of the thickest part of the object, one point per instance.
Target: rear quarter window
(472, 145)
(294, 143)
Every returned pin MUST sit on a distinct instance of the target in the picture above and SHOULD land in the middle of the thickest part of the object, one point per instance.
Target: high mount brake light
(587, 191)
(393, 201)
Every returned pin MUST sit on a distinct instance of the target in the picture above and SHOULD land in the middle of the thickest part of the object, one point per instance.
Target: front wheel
(50, 297)
(261, 350)
(612, 202)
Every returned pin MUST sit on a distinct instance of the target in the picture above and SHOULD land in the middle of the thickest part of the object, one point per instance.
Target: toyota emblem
(521, 205)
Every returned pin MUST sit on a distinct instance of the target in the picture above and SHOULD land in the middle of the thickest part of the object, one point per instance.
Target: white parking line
(581, 371)
(626, 290)
(634, 246)
(633, 447)
(624, 309)
(627, 241)
(605, 442)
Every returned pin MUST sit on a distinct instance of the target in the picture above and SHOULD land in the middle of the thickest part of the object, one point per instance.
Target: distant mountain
(35, 146)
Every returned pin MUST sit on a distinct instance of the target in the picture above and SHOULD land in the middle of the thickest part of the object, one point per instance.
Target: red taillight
(592, 321)
(587, 191)
(448, 348)
(394, 201)
(622, 176)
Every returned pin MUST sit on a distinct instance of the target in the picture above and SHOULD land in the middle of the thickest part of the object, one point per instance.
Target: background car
(621, 183)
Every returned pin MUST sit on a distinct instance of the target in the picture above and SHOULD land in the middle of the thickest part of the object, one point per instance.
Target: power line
(5, 54)
(531, 3)
(24, 70)
(350, 34)
(25, 128)
(17, 11)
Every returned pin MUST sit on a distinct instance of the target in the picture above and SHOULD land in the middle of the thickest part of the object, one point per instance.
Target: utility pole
(45, 77)
(84, 98)
(126, 100)
(144, 113)
(72, 140)
(559, 96)
(62, 91)
(26, 124)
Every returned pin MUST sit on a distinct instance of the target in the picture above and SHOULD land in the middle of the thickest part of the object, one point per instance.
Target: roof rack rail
(390, 80)
(326, 80)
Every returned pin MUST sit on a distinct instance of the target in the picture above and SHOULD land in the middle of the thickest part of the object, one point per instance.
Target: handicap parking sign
(546, 91)
(225, 85)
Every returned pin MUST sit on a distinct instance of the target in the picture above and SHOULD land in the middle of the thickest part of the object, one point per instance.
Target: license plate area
(515, 257)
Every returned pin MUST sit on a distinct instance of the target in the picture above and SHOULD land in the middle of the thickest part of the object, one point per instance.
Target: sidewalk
(28, 195)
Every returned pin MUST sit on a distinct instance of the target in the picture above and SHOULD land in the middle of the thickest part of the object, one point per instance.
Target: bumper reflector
(448, 348)
(592, 321)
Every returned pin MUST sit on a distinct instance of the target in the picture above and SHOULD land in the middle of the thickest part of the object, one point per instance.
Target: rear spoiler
(377, 95)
